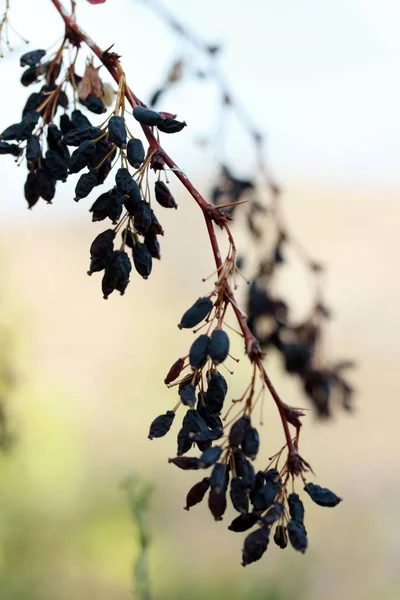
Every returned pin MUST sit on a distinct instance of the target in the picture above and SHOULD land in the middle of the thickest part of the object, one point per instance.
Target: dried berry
(197, 492)
(39, 185)
(32, 58)
(217, 502)
(155, 225)
(196, 313)
(103, 244)
(85, 184)
(174, 371)
(30, 191)
(116, 275)
(21, 131)
(219, 346)
(94, 104)
(216, 392)
(78, 119)
(56, 165)
(134, 204)
(82, 156)
(280, 537)
(29, 76)
(108, 205)
(185, 462)
(142, 218)
(152, 244)
(184, 442)
(239, 497)
(245, 470)
(12, 149)
(146, 116)
(208, 436)
(243, 522)
(322, 496)
(142, 260)
(218, 477)
(238, 431)
(135, 152)
(187, 394)
(171, 125)
(164, 196)
(210, 456)
(296, 508)
(199, 352)
(54, 136)
(273, 514)
(255, 545)
(265, 496)
(75, 137)
(33, 150)
(161, 425)
(117, 131)
(251, 443)
(124, 181)
(297, 536)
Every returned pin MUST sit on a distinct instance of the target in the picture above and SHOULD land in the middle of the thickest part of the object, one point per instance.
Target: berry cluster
(203, 392)
(263, 499)
(47, 148)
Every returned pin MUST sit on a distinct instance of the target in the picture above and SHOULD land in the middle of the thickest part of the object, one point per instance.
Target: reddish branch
(252, 348)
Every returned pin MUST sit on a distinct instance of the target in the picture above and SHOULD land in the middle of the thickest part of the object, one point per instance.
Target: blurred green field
(90, 380)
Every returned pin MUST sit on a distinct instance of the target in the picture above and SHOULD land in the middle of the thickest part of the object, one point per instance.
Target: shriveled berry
(210, 456)
(219, 346)
(265, 496)
(239, 497)
(213, 420)
(117, 131)
(184, 442)
(54, 136)
(75, 137)
(94, 104)
(135, 152)
(197, 492)
(187, 394)
(217, 502)
(198, 353)
(243, 522)
(82, 156)
(174, 371)
(33, 150)
(142, 260)
(171, 125)
(56, 165)
(31, 58)
(196, 313)
(146, 116)
(29, 76)
(155, 225)
(273, 514)
(12, 149)
(185, 462)
(255, 545)
(270, 475)
(251, 443)
(66, 124)
(142, 217)
(152, 244)
(85, 184)
(31, 193)
(103, 244)
(296, 508)
(218, 477)
(280, 537)
(108, 205)
(133, 203)
(78, 119)
(161, 425)
(116, 276)
(245, 470)
(297, 536)
(208, 436)
(216, 391)
(238, 431)
(163, 195)
(41, 184)
(322, 496)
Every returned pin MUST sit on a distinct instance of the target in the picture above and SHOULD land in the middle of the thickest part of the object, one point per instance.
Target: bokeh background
(322, 79)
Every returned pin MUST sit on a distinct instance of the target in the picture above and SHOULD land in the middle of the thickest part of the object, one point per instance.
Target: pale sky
(321, 78)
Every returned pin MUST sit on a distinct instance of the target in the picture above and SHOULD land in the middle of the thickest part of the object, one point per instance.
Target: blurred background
(322, 80)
